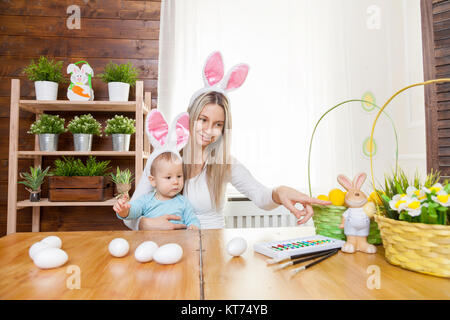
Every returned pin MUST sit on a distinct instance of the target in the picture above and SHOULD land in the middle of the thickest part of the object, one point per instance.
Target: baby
(166, 177)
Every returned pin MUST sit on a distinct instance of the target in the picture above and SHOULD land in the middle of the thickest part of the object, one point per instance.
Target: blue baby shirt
(149, 207)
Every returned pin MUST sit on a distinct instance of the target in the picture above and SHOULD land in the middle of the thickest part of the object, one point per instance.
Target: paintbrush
(310, 257)
(297, 270)
(296, 256)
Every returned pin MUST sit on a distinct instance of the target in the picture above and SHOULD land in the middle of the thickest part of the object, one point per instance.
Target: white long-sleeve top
(197, 193)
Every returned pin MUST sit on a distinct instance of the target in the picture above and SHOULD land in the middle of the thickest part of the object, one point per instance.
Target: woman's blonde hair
(218, 159)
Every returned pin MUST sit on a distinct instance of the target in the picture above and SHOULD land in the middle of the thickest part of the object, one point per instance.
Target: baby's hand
(122, 207)
(192, 227)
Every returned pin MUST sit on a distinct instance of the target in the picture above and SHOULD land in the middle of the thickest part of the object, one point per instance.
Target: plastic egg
(118, 247)
(52, 241)
(144, 252)
(168, 254)
(49, 258)
(236, 246)
(36, 247)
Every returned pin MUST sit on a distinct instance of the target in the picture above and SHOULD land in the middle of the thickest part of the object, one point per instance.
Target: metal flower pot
(121, 142)
(48, 142)
(82, 141)
(35, 196)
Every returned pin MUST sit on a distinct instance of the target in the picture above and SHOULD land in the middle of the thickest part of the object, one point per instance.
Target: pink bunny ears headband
(213, 76)
(164, 138)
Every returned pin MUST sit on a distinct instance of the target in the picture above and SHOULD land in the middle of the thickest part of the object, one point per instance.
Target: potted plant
(33, 181)
(414, 222)
(74, 180)
(123, 180)
(83, 128)
(121, 128)
(46, 75)
(48, 127)
(119, 79)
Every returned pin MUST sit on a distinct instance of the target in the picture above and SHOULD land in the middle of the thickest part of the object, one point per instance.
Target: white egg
(49, 258)
(236, 246)
(36, 247)
(52, 241)
(168, 254)
(118, 247)
(144, 252)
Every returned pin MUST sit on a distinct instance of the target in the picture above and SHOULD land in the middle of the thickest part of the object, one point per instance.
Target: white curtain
(300, 63)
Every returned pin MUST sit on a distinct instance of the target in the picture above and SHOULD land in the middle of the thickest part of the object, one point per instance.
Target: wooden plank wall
(436, 61)
(117, 30)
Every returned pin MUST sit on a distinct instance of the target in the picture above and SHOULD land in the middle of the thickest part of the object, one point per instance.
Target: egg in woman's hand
(168, 254)
(144, 252)
(49, 258)
(118, 247)
(236, 246)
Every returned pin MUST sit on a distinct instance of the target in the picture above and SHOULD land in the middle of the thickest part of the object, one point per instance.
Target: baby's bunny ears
(213, 76)
(161, 136)
(357, 183)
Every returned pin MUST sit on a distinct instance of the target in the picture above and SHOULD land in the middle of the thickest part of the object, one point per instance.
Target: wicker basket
(328, 218)
(418, 247)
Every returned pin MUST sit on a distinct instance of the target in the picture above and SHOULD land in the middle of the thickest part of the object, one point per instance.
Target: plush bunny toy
(80, 88)
(163, 138)
(356, 219)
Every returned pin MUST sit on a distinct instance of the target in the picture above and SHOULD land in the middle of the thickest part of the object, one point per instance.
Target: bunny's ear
(213, 69)
(156, 128)
(182, 130)
(359, 180)
(345, 182)
(236, 77)
(86, 69)
(72, 67)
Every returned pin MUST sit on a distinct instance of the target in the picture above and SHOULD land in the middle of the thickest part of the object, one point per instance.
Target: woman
(208, 165)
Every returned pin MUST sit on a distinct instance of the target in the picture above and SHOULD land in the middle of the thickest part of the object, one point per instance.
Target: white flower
(443, 199)
(420, 194)
(435, 189)
(413, 207)
(398, 202)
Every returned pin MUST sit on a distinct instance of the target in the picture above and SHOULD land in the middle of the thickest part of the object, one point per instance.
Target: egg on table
(144, 252)
(118, 247)
(236, 246)
(49, 258)
(168, 254)
(48, 242)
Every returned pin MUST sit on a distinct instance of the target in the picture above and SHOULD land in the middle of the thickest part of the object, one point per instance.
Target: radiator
(245, 214)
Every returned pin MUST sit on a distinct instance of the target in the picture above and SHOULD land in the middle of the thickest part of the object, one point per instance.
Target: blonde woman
(208, 165)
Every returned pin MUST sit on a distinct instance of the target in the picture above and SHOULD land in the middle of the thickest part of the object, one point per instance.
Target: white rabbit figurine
(80, 88)
(356, 219)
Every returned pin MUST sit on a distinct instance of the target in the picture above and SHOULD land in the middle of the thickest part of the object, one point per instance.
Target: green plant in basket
(69, 167)
(120, 125)
(84, 124)
(48, 123)
(415, 201)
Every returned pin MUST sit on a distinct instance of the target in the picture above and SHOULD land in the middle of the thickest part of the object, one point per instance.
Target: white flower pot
(46, 90)
(118, 91)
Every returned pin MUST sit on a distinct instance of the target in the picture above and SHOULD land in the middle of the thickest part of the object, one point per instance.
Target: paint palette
(287, 248)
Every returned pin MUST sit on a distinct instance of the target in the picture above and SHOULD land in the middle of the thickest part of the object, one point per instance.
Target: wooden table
(206, 273)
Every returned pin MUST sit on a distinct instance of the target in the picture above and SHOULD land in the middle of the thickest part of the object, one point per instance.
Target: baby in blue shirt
(166, 177)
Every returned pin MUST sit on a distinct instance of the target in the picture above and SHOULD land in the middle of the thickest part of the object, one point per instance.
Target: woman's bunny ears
(162, 137)
(349, 185)
(213, 76)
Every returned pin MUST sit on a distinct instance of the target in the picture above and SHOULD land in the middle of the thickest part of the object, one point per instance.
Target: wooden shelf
(39, 106)
(45, 203)
(32, 154)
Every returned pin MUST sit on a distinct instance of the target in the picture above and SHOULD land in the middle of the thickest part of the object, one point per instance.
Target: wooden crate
(79, 189)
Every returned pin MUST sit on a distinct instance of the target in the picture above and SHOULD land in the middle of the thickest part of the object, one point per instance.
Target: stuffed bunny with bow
(80, 88)
(356, 219)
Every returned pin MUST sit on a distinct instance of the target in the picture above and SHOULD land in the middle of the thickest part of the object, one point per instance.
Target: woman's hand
(288, 197)
(161, 223)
